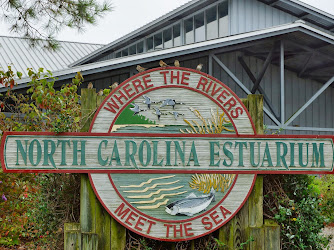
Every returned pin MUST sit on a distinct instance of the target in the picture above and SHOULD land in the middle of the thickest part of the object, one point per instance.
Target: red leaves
(7, 78)
(12, 82)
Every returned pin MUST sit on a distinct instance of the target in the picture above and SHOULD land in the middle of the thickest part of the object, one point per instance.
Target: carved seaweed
(204, 182)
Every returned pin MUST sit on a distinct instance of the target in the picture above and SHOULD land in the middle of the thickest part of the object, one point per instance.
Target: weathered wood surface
(89, 241)
(240, 229)
(106, 191)
(87, 206)
(257, 234)
(98, 229)
(93, 153)
(255, 202)
(255, 109)
(194, 97)
(199, 84)
(72, 236)
(236, 231)
(249, 220)
(272, 234)
(88, 107)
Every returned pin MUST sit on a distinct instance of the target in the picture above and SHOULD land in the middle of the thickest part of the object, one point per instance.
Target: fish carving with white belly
(191, 204)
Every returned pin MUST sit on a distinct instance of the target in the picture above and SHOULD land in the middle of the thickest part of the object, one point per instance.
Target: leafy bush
(293, 202)
(324, 185)
(58, 202)
(17, 197)
(33, 207)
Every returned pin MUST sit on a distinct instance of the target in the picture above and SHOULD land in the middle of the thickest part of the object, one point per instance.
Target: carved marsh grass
(204, 182)
(215, 125)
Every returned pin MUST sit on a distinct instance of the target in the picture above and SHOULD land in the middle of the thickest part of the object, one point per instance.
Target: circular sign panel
(173, 203)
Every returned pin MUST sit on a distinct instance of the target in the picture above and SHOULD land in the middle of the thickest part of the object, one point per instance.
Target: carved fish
(191, 204)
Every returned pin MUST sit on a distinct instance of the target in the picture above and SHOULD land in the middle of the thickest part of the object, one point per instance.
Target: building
(283, 49)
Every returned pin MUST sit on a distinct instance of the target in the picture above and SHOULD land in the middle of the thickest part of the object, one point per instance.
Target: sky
(124, 19)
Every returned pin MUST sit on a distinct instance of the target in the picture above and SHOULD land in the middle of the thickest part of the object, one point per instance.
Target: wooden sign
(172, 153)
(161, 153)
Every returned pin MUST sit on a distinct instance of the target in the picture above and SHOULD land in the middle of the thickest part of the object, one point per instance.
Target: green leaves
(295, 206)
(25, 18)
(27, 212)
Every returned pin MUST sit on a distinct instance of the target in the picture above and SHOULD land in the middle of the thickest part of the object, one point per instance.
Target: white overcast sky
(128, 15)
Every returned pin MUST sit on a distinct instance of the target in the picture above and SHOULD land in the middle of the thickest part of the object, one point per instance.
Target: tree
(40, 20)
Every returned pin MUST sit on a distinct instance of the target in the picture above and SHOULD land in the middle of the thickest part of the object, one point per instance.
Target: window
(189, 30)
(140, 47)
(158, 41)
(132, 50)
(211, 23)
(149, 43)
(125, 52)
(177, 35)
(223, 19)
(168, 42)
(199, 27)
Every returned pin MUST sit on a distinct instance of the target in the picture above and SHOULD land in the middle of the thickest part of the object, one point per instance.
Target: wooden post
(255, 200)
(87, 197)
(89, 241)
(272, 234)
(249, 220)
(88, 106)
(72, 236)
(257, 234)
(255, 203)
(98, 229)
(255, 109)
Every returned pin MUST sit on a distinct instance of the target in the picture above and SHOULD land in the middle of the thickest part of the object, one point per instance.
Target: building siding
(297, 92)
(246, 16)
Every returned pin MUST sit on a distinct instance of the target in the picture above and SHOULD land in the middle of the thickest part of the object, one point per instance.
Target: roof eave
(304, 6)
(122, 62)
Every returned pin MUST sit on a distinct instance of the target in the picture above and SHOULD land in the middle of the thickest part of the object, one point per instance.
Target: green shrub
(324, 184)
(17, 197)
(293, 202)
(33, 207)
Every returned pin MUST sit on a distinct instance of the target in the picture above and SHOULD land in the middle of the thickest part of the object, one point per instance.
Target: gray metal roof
(304, 11)
(294, 7)
(255, 42)
(16, 52)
